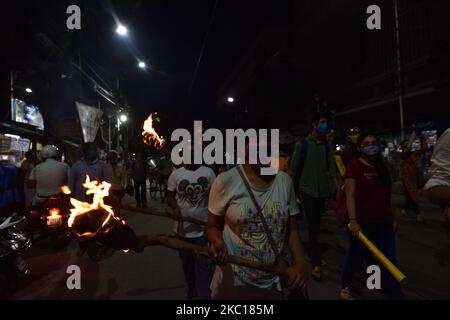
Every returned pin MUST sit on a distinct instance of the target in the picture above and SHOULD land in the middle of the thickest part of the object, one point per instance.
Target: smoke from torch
(151, 137)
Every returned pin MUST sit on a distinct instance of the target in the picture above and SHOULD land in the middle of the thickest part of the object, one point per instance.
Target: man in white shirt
(438, 186)
(187, 193)
(49, 176)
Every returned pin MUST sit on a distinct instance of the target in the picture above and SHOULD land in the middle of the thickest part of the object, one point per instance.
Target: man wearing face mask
(89, 165)
(313, 169)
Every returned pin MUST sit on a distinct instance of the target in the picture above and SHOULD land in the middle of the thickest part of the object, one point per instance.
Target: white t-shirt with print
(243, 232)
(192, 191)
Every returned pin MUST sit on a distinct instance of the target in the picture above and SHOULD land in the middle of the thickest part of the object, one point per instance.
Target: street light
(123, 118)
(230, 99)
(28, 90)
(142, 65)
(122, 30)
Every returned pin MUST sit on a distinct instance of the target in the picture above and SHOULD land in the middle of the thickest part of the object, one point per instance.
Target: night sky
(167, 35)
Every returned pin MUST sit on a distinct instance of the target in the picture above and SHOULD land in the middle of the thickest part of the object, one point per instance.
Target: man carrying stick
(187, 193)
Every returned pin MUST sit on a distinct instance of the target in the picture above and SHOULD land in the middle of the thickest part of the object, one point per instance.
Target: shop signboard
(26, 113)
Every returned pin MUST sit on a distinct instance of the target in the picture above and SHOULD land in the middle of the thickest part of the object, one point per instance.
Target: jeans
(140, 191)
(314, 210)
(383, 236)
(198, 271)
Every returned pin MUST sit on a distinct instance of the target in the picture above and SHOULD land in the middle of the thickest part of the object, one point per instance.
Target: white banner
(90, 119)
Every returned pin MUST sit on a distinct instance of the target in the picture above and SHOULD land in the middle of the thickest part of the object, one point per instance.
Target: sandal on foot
(346, 294)
(317, 274)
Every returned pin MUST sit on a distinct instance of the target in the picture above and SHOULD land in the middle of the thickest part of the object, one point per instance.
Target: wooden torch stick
(162, 214)
(147, 240)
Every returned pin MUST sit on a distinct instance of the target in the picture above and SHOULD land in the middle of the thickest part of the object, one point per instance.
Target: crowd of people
(255, 217)
(43, 176)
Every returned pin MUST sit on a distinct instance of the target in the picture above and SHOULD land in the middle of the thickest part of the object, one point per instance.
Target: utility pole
(118, 132)
(109, 132)
(399, 71)
(12, 84)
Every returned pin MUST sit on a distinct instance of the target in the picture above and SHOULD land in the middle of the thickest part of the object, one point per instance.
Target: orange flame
(151, 137)
(100, 191)
(66, 190)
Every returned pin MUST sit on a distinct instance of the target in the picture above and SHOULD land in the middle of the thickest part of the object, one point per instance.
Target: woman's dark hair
(378, 163)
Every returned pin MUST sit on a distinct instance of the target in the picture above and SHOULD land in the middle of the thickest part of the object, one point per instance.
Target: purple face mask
(371, 150)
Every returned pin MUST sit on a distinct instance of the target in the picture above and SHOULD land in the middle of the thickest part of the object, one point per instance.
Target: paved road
(423, 254)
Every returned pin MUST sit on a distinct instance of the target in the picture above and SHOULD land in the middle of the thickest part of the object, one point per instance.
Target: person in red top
(368, 191)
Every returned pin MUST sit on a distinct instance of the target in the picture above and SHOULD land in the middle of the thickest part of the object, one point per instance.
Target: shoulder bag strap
(260, 212)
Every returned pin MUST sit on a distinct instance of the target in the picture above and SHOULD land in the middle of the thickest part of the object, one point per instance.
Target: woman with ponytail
(368, 191)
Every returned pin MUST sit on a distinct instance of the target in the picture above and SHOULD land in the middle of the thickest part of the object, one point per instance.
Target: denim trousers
(198, 271)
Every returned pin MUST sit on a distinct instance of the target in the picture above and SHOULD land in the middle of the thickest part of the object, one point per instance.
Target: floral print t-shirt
(243, 232)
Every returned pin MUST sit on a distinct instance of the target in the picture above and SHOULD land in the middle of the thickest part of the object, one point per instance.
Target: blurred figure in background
(119, 178)
(139, 173)
(26, 167)
(410, 174)
(351, 151)
(90, 165)
(165, 168)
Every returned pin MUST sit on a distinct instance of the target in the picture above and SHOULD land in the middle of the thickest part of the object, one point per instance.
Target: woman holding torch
(241, 199)
(368, 197)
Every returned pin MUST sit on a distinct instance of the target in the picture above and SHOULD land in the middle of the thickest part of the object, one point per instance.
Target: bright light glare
(230, 99)
(121, 30)
(28, 90)
(123, 118)
(142, 65)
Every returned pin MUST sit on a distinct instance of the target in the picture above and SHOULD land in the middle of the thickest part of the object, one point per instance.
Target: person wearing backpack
(313, 171)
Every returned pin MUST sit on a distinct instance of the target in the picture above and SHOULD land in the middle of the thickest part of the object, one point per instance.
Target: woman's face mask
(371, 150)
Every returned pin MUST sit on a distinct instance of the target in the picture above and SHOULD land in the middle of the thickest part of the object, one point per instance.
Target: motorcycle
(13, 242)
(49, 220)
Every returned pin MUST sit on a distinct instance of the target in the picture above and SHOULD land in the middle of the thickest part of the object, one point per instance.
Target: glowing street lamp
(123, 118)
(142, 65)
(122, 30)
(28, 90)
(230, 99)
